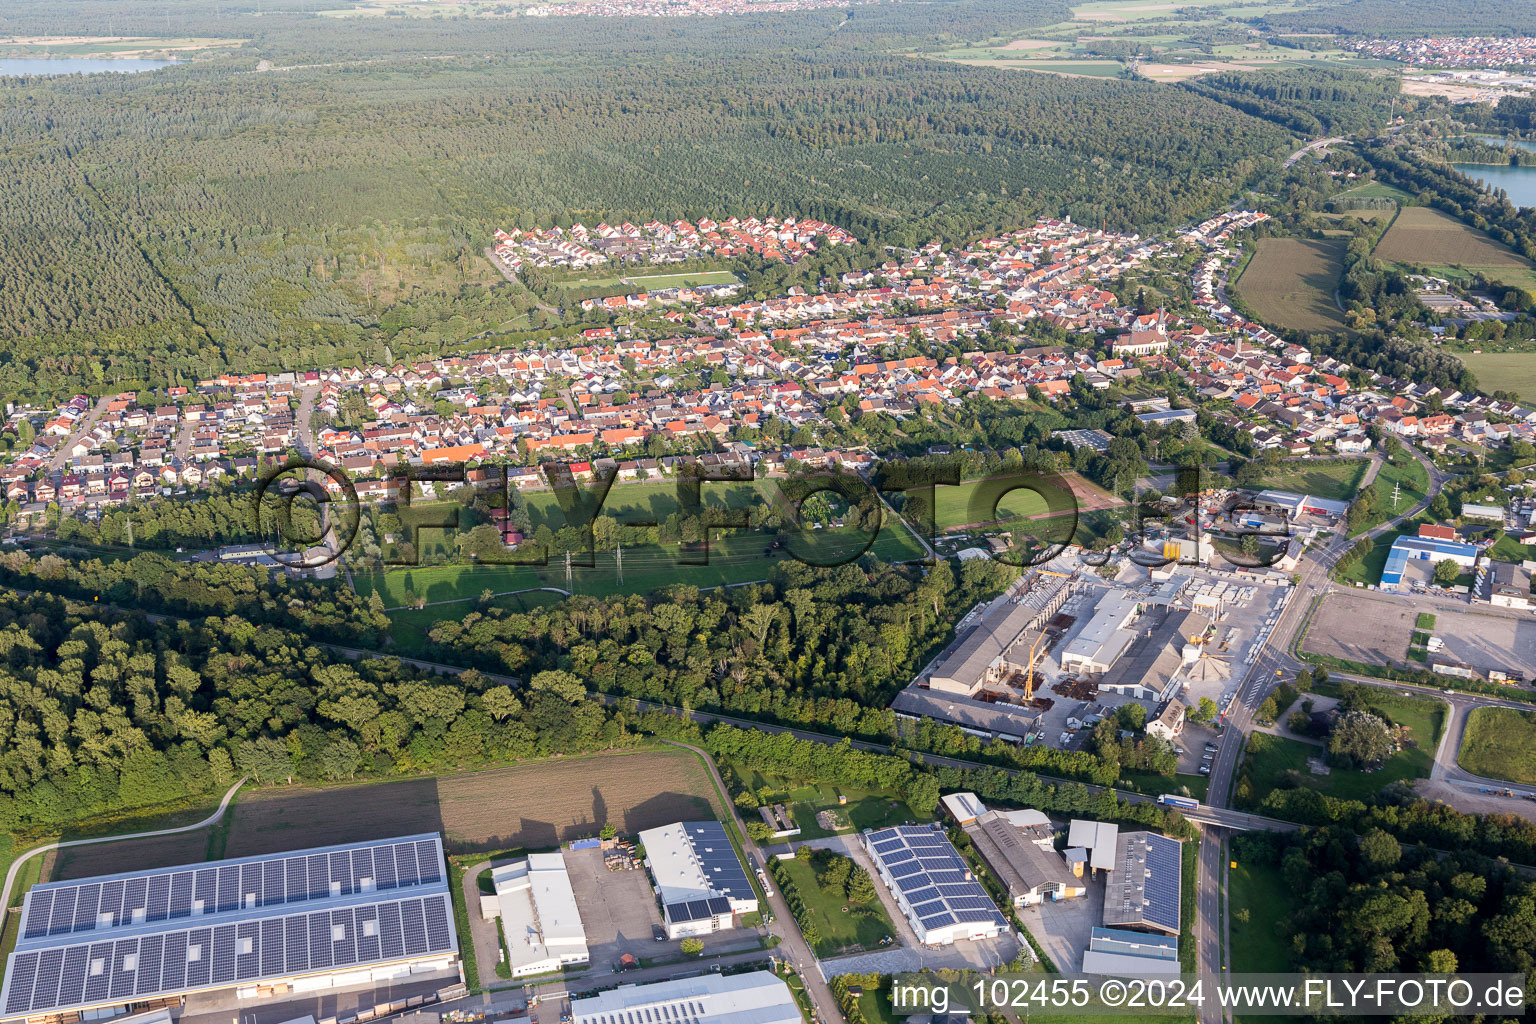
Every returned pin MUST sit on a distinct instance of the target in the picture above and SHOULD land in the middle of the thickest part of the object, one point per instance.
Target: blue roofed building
(1406, 549)
(1127, 954)
(306, 920)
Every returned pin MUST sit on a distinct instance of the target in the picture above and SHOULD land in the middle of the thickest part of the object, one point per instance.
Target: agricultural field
(1421, 236)
(1504, 371)
(1500, 743)
(531, 806)
(1339, 481)
(1292, 282)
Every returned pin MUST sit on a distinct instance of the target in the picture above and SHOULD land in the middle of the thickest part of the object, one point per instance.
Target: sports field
(1500, 743)
(971, 503)
(1504, 371)
(1422, 236)
(1292, 281)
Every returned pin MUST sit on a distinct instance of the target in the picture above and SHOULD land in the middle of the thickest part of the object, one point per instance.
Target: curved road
(10, 876)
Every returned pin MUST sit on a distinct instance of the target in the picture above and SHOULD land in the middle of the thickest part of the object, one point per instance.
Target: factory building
(699, 878)
(539, 919)
(1001, 644)
(1031, 874)
(756, 997)
(1098, 841)
(1104, 637)
(298, 922)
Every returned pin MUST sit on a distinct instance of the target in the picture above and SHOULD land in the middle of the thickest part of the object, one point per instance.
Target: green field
(694, 279)
(1375, 190)
(1500, 743)
(865, 808)
(1504, 371)
(1291, 282)
(1338, 481)
(1255, 896)
(971, 502)
(1411, 479)
(1150, 783)
(841, 927)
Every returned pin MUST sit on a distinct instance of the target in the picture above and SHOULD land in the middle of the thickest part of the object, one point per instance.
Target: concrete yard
(1375, 629)
(1063, 928)
(618, 908)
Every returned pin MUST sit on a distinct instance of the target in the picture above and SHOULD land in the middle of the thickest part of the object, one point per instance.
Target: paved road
(304, 421)
(61, 454)
(1308, 148)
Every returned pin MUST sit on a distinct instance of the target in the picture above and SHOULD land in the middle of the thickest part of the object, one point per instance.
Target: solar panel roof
(140, 935)
(931, 877)
(1162, 891)
(718, 860)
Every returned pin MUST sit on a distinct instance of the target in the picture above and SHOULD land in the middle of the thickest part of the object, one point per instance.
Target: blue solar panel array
(138, 936)
(718, 860)
(1162, 889)
(932, 878)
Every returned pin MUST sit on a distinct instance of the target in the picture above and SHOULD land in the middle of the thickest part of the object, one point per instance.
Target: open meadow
(1500, 743)
(1292, 281)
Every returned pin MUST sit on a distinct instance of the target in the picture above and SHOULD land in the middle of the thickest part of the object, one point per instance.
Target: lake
(1519, 182)
(76, 65)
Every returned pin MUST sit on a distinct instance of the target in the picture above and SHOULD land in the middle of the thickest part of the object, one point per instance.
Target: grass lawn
(841, 927)
(1374, 190)
(1507, 549)
(1255, 895)
(865, 808)
(1272, 761)
(1409, 475)
(1338, 482)
(1151, 783)
(990, 500)
(1500, 743)
(1189, 857)
(1368, 569)
(1426, 620)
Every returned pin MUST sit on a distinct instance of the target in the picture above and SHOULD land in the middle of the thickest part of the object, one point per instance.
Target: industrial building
(1295, 505)
(932, 885)
(1142, 891)
(698, 876)
(539, 919)
(1097, 839)
(1032, 874)
(1005, 644)
(1104, 637)
(1127, 954)
(757, 997)
(1510, 585)
(1149, 669)
(300, 922)
(1406, 549)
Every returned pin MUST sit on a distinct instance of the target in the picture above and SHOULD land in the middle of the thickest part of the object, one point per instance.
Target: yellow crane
(1029, 681)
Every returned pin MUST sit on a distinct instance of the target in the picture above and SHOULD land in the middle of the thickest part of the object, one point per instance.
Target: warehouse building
(539, 919)
(1142, 891)
(1031, 874)
(932, 885)
(699, 878)
(1126, 954)
(757, 997)
(1295, 505)
(303, 921)
(1003, 643)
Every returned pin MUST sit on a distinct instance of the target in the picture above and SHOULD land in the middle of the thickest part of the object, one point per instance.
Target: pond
(1519, 182)
(77, 65)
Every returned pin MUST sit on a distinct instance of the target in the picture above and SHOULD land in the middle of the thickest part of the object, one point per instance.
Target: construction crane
(1029, 681)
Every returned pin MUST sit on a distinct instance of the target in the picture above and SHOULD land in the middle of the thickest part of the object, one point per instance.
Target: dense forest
(1312, 102)
(1407, 18)
(1368, 903)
